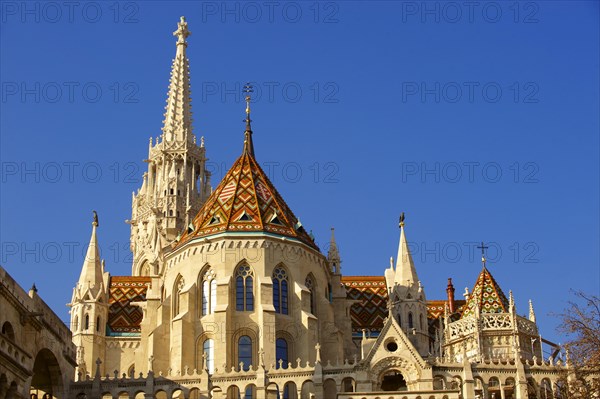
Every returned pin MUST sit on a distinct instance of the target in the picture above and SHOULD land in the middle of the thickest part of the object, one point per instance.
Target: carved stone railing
(526, 326)
(496, 321)
(462, 327)
(400, 395)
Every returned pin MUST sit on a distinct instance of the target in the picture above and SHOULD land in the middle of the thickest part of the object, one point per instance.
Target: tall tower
(89, 308)
(177, 182)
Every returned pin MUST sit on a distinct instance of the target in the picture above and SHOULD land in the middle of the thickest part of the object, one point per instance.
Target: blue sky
(481, 123)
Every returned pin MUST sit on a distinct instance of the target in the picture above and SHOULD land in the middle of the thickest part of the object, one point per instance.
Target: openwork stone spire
(177, 125)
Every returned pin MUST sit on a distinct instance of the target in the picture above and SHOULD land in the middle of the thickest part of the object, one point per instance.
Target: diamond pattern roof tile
(486, 294)
(246, 201)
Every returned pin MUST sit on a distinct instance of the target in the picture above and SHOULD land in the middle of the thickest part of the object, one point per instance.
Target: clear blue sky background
(379, 107)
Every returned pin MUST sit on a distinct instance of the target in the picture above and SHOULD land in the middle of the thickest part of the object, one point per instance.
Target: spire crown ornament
(182, 32)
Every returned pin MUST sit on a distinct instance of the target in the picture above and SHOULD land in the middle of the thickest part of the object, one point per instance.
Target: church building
(230, 297)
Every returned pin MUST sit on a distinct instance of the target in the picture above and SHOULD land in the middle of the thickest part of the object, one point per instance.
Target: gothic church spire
(178, 116)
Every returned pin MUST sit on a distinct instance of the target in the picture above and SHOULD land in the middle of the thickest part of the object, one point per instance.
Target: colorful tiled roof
(246, 201)
(435, 309)
(371, 308)
(486, 294)
(123, 317)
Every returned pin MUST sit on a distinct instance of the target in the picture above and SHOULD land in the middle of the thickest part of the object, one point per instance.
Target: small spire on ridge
(248, 145)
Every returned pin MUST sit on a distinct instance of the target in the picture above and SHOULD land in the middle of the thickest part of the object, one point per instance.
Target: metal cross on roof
(483, 247)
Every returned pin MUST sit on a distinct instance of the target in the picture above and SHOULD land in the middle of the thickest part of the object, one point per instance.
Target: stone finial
(98, 363)
(531, 312)
(182, 31)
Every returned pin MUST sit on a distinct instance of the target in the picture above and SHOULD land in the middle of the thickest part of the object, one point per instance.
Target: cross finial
(182, 32)
(483, 247)
(95, 221)
(248, 90)
(402, 219)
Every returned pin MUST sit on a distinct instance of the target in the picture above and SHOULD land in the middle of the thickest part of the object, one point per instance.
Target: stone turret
(408, 296)
(89, 307)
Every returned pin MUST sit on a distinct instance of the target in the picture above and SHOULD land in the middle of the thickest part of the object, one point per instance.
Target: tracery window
(209, 293)
(280, 290)
(244, 288)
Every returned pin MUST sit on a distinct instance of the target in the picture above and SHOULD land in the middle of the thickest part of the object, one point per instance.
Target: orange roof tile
(124, 318)
(246, 201)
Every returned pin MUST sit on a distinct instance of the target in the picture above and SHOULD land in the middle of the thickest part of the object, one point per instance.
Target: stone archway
(395, 373)
(47, 379)
(392, 380)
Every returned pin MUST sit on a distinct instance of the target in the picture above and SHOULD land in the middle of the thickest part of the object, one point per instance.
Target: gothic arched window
(208, 348)
(410, 320)
(244, 288)
(280, 290)
(310, 284)
(281, 353)
(179, 283)
(245, 351)
(209, 293)
(98, 323)
(87, 322)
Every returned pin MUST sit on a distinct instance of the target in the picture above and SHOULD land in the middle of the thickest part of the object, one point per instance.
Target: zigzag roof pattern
(487, 295)
(371, 297)
(123, 317)
(435, 308)
(246, 201)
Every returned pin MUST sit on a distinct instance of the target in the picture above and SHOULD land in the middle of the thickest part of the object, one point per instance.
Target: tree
(581, 324)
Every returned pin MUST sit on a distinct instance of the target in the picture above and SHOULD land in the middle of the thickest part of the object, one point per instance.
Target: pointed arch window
(310, 284)
(281, 353)
(245, 351)
(208, 348)
(410, 320)
(244, 288)
(76, 323)
(86, 326)
(280, 290)
(178, 287)
(209, 293)
(98, 324)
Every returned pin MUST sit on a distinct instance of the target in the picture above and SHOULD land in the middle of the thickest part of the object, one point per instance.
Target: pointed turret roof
(177, 125)
(406, 274)
(91, 271)
(487, 295)
(246, 201)
(333, 254)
